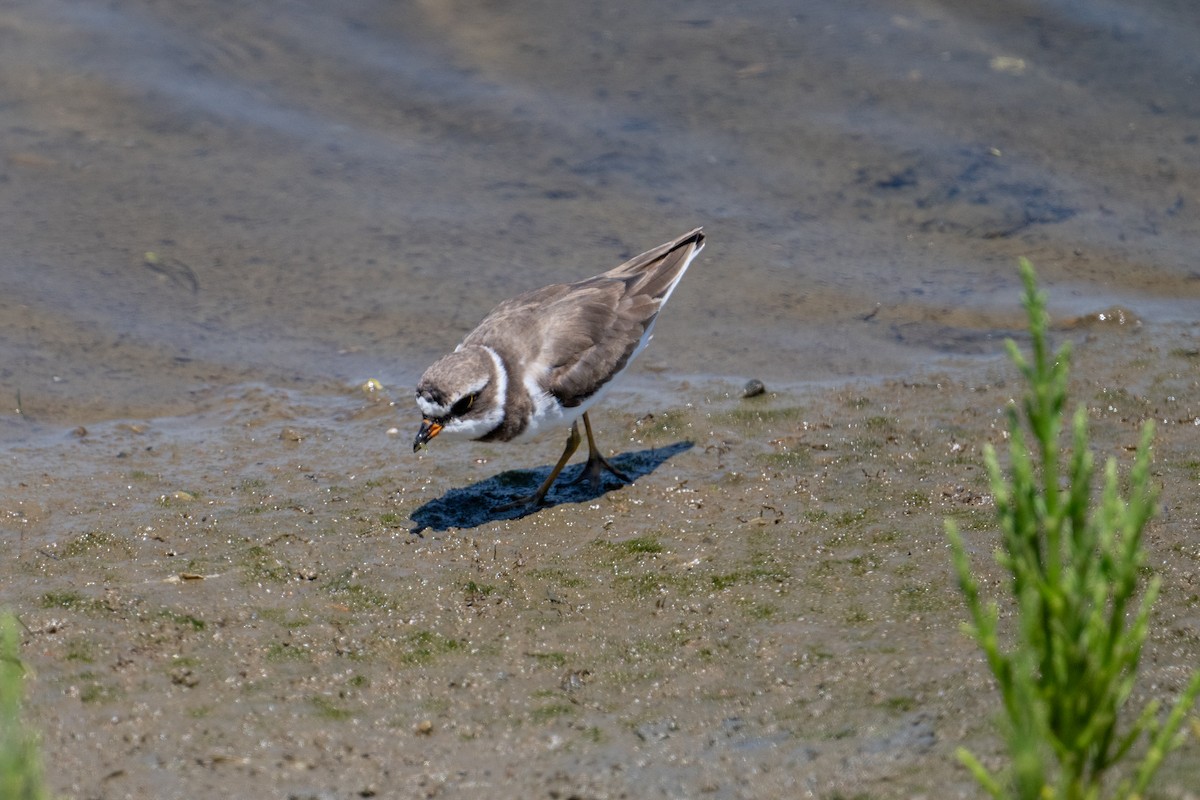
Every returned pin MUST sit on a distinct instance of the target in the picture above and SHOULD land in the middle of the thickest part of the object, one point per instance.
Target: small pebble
(424, 727)
(753, 388)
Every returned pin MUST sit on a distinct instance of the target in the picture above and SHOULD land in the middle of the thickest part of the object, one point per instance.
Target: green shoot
(1074, 581)
(20, 761)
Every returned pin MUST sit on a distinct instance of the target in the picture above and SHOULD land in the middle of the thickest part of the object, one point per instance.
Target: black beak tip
(428, 431)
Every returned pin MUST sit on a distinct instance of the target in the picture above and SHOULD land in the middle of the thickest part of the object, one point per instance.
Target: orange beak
(429, 429)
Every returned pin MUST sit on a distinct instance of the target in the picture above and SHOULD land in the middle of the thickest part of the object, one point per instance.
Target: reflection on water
(216, 193)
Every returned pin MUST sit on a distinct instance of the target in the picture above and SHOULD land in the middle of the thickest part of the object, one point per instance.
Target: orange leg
(596, 462)
(535, 499)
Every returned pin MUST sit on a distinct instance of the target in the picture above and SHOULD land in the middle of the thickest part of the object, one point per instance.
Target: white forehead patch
(431, 410)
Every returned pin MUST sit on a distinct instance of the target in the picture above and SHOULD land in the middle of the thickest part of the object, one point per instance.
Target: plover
(545, 357)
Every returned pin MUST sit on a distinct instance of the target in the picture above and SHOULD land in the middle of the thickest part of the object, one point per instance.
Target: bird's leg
(535, 499)
(596, 462)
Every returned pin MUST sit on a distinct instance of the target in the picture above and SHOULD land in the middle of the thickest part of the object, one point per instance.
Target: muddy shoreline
(236, 603)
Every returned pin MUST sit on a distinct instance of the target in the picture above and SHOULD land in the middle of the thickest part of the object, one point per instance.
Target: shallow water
(331, 192)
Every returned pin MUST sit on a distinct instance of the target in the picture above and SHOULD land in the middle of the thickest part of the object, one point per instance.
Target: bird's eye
(463, 405)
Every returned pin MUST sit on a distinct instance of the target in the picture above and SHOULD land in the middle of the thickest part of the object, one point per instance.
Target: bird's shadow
(474, 505)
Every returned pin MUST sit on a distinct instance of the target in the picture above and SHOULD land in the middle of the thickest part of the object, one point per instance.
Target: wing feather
(580, 335)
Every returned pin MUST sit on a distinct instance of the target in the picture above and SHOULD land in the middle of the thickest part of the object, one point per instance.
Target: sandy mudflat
(222, 217)
(237, 604)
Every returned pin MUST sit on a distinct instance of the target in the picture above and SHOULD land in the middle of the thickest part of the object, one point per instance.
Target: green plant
(1074, 579)
(20, 760)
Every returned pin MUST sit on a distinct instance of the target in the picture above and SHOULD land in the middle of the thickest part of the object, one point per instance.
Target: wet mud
(223, 218)
(290, 604)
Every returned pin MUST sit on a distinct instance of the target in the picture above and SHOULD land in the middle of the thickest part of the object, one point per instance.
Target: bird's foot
(593, 471)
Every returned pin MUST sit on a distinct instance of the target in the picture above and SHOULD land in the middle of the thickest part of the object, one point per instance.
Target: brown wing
(583, 333)
(593, 338)
(603, 319)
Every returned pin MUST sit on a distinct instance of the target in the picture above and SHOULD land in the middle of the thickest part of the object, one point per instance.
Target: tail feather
(656, 272)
